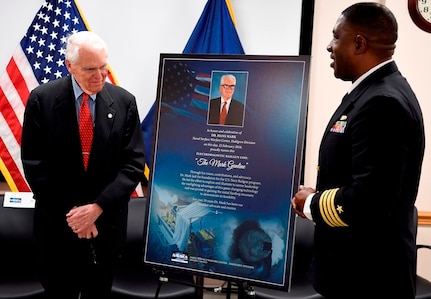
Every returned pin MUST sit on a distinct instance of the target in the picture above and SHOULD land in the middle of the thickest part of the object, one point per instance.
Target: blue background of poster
(219, 196)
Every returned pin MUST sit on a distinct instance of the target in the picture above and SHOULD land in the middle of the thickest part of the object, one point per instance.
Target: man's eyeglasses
(103, 69)
(226, 86)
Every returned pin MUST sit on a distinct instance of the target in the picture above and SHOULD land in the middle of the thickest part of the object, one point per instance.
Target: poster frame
(186, 85)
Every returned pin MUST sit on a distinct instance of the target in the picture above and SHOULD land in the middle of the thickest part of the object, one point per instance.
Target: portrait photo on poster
(227, 98)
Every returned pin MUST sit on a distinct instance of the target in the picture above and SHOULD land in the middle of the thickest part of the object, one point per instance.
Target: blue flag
(214, 33)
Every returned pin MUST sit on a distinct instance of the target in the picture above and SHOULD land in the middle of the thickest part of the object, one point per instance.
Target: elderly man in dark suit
(81, 211)
(225, 110)
(370, 162)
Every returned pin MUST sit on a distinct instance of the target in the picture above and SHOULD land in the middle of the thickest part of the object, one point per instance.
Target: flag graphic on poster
(214, 33)
(188, 98)
(39, 58)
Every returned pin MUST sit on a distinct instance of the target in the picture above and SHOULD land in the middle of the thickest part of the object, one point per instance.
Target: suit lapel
(65, 110)
(105, 116)
(349, 100)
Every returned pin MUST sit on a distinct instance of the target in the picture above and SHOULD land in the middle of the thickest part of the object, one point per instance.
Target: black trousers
(78, 270)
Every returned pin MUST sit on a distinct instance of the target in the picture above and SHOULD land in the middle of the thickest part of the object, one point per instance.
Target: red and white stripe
(15, 85)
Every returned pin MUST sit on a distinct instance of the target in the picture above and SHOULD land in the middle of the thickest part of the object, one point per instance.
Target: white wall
(137, 31)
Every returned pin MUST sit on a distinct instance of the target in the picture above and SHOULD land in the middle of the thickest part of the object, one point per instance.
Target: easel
(163, 279)
(244, 290)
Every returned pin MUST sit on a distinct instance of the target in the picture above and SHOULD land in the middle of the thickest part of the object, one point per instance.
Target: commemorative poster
(219, 192)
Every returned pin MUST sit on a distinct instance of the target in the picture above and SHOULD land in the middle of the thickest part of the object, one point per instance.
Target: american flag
(39, 58)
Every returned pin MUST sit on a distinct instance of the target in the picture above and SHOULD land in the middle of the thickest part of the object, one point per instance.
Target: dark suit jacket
(235, 115)
(52, 160)
(372, 150)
